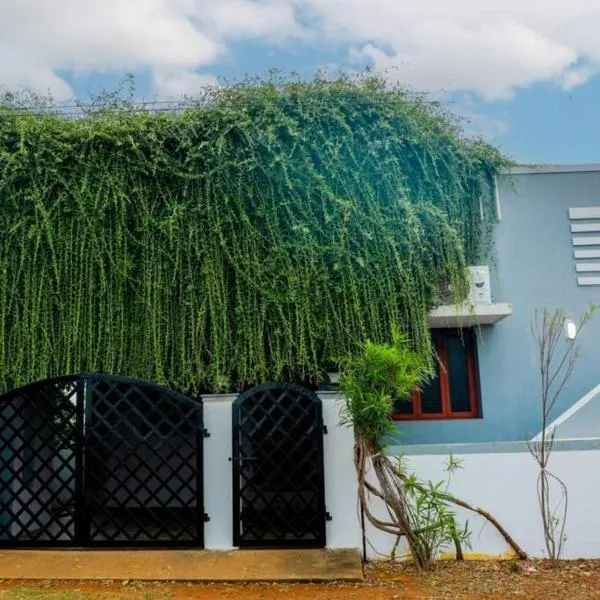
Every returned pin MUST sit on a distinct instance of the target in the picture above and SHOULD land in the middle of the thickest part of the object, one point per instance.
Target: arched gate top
(278, 391)
(94, 378)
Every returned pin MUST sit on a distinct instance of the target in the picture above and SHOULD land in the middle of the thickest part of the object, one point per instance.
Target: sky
(525, 74)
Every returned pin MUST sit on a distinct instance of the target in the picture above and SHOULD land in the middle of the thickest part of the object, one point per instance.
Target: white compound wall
(502, 479)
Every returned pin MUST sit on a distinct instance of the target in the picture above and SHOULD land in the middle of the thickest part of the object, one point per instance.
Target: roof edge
(540, 169)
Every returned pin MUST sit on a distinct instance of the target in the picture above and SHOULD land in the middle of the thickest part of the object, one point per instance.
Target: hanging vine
(255, 234)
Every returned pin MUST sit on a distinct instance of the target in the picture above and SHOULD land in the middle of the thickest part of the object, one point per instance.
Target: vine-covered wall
(261, 233)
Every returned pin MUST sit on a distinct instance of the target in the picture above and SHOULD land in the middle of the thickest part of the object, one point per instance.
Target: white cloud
(577, 76)
(175, 84)
(481, 125)
(481, 59)
(38, 78)
(39, 38)
(491, 48)
(477, 122)
(275, 19)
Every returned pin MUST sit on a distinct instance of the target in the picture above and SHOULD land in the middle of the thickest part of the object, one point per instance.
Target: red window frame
(439, 339)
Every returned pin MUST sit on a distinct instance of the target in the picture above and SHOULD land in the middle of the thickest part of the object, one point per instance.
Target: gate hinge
(328, 517)
(206, 518)
(206, 433)
(324, 427)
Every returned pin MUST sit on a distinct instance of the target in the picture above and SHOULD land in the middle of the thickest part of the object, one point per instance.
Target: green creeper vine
(258, 233)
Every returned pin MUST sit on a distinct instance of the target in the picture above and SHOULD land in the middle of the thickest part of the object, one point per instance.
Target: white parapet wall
(343, 530)
(502, 479)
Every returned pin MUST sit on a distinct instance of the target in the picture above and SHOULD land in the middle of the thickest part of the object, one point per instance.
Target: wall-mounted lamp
(570, 329)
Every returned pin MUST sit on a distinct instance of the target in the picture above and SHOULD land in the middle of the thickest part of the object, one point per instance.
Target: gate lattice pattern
(278, 478)
(38, 433)
(100, 461)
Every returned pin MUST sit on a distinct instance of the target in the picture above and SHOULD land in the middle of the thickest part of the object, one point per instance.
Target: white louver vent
(585, 227)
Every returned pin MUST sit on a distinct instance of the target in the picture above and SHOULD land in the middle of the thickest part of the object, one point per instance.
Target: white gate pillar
(218, 487)
(341, 487)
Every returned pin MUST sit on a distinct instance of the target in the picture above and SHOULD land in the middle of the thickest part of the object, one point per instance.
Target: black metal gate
(96, 460)
(278, 479)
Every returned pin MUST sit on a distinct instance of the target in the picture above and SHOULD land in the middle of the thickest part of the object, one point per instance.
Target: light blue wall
(535, 268)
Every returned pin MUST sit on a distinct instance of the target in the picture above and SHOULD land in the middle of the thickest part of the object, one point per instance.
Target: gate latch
(328, 517)
(206, 433)
(206, 518)
(324, 428)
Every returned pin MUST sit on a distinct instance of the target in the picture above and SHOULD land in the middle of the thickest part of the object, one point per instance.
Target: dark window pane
(458, 374)
(431, 398)
(403, 407)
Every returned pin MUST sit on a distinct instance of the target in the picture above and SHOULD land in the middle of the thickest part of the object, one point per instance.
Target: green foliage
(431, 516)
(256, 233)
(373, 379)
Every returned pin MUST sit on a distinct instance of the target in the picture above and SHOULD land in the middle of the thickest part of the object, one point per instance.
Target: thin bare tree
(557, 358)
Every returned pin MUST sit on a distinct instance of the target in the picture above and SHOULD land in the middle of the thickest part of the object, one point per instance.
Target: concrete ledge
(533, 169)
(564, 445)
(468, 315)
(182, 565)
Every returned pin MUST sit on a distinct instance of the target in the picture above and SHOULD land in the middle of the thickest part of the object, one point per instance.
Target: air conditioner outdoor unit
(479, 285)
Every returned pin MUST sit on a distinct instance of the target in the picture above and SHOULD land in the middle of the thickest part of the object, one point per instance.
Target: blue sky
(526, 75)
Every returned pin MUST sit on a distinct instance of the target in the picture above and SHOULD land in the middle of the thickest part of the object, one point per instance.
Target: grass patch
(32, 593)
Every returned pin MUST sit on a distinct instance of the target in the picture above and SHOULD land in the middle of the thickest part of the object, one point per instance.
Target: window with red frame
(454, 392)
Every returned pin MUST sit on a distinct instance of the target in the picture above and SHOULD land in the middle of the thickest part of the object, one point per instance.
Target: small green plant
(431, 514)
(370, 382)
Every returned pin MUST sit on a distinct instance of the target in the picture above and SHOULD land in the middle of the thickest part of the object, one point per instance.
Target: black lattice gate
(278, 480)
(95, 460)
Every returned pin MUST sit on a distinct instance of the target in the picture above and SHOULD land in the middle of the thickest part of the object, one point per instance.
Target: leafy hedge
(260, 233)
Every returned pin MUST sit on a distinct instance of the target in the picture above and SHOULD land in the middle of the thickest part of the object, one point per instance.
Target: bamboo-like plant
(417, 511)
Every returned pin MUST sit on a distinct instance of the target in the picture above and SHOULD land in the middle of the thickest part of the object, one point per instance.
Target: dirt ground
(470, 580)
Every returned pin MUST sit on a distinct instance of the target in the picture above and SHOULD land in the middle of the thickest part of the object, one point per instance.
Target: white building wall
(580, 421)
